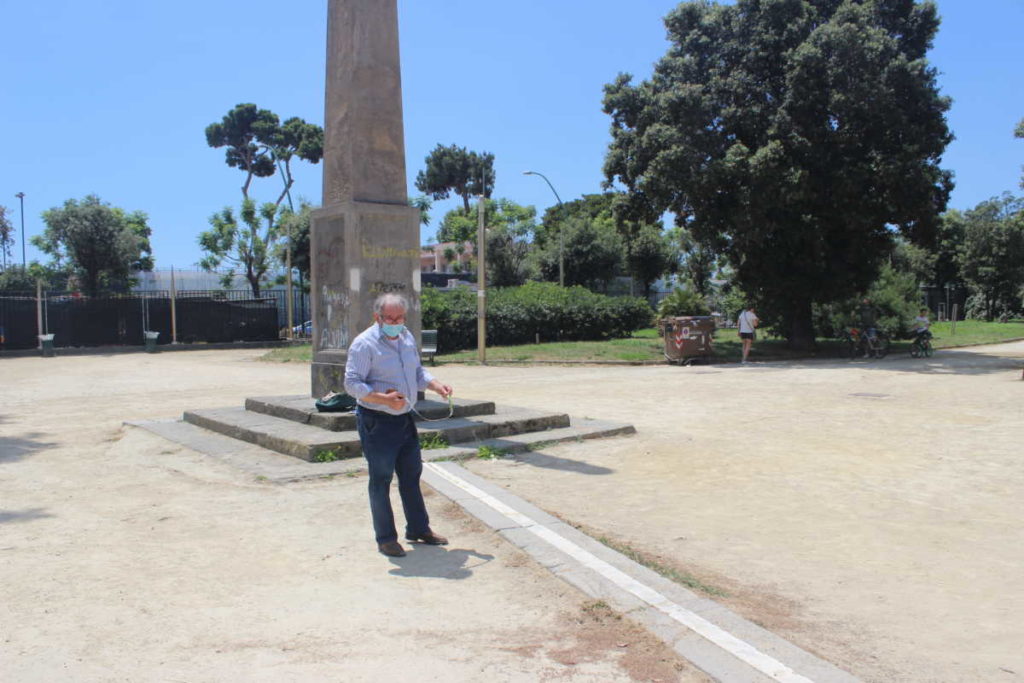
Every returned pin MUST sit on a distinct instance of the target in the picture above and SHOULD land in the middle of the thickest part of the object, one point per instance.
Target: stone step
(277, 434)
(506, 421)
(313, 444)
(579, 429)
(272, 466)
(302, 409)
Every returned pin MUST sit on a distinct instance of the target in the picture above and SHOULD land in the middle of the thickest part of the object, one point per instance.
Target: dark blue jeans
(392, 446)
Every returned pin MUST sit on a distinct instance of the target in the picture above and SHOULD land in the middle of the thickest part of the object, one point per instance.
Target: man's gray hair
(390, 299)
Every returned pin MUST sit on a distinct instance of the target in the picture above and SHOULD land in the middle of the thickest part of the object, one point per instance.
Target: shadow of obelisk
(365, 238)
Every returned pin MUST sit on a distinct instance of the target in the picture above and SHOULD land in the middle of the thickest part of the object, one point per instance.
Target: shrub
(537, 310)
(894, 294)
(683, 302)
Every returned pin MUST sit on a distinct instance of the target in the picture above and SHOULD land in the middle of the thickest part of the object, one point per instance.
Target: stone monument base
(360, 250)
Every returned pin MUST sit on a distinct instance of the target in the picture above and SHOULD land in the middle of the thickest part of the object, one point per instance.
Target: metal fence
(209, 316)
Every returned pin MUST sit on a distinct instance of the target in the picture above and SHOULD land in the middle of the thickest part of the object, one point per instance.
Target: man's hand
(438, 388)
(393, 399)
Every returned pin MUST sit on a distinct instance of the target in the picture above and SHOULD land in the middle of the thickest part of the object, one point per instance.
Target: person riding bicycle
(921, 325)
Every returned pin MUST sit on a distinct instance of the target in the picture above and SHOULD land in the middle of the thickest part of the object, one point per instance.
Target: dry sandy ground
(867, 511)
(870, 512)
(126, 558)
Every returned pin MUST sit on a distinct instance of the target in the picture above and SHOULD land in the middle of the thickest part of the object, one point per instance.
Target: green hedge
(517, 315)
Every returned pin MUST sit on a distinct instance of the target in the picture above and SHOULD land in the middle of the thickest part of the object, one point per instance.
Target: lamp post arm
(555, 192)
(561, 235)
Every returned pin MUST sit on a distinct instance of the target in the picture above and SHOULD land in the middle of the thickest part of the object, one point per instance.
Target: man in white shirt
(384, 374)
(748, 322)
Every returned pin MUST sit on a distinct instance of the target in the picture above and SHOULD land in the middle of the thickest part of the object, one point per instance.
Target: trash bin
(46, 348)
(688, 338)
(151, 341)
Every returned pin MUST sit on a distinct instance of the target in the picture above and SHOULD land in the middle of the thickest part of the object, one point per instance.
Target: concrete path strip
(713, 638)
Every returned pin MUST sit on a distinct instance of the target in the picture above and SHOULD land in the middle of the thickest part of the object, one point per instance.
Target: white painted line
(740, 649)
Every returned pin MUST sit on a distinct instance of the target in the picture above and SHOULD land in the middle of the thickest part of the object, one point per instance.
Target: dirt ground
(867, 511)
(124, 557)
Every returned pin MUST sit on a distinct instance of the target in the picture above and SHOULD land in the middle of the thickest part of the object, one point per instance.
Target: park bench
(429, 345)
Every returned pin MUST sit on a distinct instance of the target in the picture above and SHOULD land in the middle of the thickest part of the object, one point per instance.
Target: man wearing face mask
(384, 374)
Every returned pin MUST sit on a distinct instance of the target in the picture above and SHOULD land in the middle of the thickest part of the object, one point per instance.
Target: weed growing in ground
(668, 572)
(489, 453)
(327, 456)
(599, 610)
(434, 441)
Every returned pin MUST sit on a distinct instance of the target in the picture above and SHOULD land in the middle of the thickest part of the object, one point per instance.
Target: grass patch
(299, 353)
(647, 346)
(434, 441)
(669, 573)
(970, 332)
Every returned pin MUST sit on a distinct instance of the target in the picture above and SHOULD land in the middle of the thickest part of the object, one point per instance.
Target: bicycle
(877, 345)
(860, 344)
(922, 345)
(852, 346)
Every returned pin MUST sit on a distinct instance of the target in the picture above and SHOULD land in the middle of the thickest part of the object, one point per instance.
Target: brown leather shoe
(430, 538)
(391, 549)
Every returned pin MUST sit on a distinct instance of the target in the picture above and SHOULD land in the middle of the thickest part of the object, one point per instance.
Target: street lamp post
(21, 198)
(561, 232)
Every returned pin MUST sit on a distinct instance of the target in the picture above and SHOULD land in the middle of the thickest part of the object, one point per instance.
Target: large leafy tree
(260, 146)
(992, 253)
(593, 249)
(458, 226)
(697, 261)
(244, 243)
(509, 226)
(587, 208)
(24, 279)
(649, 254)
(98, 244)
(508, 257)
(456, 169)
(294, 226)
(295, 138)
(248, 133)
(796, 134)
(946, 269)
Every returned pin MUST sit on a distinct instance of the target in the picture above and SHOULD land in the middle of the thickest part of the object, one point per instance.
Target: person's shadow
(438, 562)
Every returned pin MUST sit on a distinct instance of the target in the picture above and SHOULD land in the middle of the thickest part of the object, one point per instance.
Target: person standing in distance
(384, 374)
(748, 322)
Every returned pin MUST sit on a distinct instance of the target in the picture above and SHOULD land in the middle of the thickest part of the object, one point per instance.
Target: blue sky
(112, 97)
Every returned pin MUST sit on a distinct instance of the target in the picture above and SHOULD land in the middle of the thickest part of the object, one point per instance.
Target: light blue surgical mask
(391, 330)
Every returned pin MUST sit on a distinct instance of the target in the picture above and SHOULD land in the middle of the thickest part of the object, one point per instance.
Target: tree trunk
(800, 326)
(92, 282)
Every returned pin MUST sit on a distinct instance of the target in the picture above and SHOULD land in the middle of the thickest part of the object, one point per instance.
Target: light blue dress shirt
(376, 363)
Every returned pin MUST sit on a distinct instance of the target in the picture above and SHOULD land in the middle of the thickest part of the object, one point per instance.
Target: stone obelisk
(365, 238)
